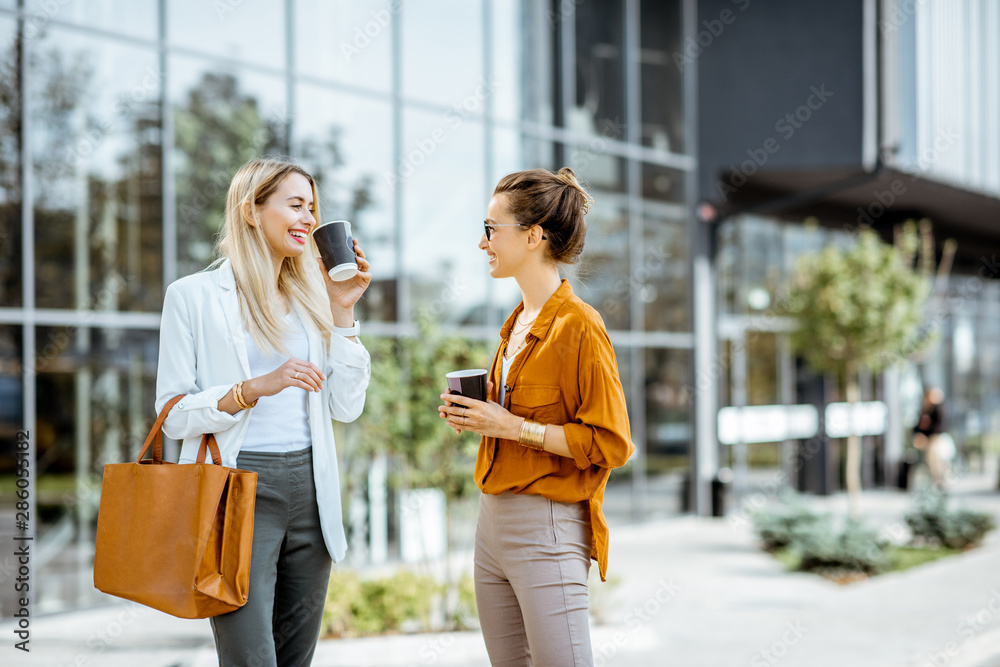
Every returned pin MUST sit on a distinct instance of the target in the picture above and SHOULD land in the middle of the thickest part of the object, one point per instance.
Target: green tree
(862, 307)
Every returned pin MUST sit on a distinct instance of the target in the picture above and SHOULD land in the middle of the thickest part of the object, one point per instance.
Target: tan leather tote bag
(176, 537)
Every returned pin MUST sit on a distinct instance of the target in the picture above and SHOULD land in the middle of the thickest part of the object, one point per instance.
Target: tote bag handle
(155, 437)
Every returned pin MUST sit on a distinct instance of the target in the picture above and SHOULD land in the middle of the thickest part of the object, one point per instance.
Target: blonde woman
(265, 348)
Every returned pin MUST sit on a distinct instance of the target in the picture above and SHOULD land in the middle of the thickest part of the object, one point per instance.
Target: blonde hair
(244, 244)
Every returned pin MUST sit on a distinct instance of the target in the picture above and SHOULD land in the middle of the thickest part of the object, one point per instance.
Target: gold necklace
(525, 327)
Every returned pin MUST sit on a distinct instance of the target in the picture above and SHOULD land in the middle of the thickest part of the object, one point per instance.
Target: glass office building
(124, 121)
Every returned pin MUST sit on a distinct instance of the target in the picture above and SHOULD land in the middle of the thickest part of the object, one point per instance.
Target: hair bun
(568, 176)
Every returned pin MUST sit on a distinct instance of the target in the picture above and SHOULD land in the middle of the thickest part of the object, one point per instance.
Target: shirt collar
(546, 316)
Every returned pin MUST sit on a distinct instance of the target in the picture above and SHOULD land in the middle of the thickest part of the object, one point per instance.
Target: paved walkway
(691, 592)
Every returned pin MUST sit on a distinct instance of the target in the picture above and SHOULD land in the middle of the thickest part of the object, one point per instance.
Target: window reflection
(96, 146)
(136, 18)
(604, 280)
(248, 30)
(524, 60)
(443, 55)
(445, 200)
(661, 77)
(11, 399)
(663, 279)
(597, 170)
(222, 119)
(10, 168)
(663, 183)
(95, 391)
(668, 421)
(600, 67)
(355, 46)
(346, 143)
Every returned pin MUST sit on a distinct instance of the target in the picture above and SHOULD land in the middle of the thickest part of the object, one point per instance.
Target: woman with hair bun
(554, 425)
(264, 347)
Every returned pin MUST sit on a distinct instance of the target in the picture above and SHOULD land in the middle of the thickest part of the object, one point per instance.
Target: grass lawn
(902, 558)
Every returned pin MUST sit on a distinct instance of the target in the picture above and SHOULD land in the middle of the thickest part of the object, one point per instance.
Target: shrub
(357, 607)
(856, 548)
(933, 523)
(776, 527)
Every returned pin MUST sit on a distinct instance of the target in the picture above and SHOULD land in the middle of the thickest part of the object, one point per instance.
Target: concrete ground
(689, 591)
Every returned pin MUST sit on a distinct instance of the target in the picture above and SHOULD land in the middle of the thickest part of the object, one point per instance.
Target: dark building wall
(761, 64)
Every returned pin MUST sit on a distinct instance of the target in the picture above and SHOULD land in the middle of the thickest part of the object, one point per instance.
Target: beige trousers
(531, 565)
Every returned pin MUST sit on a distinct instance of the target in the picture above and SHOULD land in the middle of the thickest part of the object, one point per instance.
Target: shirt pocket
(539, 402)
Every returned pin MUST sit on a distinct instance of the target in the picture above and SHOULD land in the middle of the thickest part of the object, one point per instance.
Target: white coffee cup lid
(343, 272)
(472, 372)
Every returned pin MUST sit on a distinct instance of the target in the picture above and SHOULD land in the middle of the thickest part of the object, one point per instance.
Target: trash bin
(720, 489)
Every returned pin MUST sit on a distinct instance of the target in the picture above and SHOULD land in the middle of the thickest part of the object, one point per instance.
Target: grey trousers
(289, 569)
(531, 565)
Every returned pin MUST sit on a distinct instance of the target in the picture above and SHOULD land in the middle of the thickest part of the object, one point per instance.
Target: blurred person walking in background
(929, 436)
(554, 425)
(264, 346)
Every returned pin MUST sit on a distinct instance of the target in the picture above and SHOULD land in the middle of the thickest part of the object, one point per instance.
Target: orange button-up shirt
(566, 375)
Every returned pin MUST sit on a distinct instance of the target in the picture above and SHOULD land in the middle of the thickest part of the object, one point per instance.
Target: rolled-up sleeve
(600, 435)
(198, 411)
(348, 371)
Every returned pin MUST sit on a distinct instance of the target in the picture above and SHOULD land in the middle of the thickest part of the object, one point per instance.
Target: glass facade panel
(350, 41)
(604, 281)
(668, 410)
(222, 118)
(345, 141)
(600, 67)
(250, 31)
(664, 278)
(442, 227)
(597, 170)
(661, 75)
(433, 70)
(96, 143)
(409, 155)
(10, 168)
(663, 183)
(136, 18)
(95, 392)
(11, 400)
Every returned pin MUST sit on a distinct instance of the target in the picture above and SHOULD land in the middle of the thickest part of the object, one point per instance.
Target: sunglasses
(490, 227)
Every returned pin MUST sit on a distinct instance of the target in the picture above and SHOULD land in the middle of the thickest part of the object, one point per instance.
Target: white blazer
(203, 353)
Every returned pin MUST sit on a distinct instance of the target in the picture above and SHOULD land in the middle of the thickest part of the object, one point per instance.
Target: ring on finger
(296, 376)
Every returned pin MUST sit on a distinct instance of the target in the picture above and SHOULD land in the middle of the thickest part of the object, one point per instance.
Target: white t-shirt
(278, 423)
(505, 365)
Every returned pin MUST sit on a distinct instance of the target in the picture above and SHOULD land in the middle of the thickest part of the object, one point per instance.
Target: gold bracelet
(238, 395)
(239, 398)
(532, 435)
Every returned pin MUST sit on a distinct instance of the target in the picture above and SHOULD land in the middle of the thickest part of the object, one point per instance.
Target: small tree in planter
(861, 307)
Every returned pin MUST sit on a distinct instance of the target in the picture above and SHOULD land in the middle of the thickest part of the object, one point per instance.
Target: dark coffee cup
(469, 383)
(336, 247)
